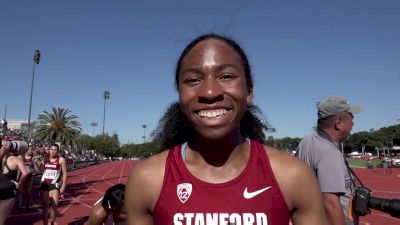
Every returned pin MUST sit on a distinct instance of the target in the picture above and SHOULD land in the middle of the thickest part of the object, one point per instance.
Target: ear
(338, 123)
(249, 97)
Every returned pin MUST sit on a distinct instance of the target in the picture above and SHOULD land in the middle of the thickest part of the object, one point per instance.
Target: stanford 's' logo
(183, 191)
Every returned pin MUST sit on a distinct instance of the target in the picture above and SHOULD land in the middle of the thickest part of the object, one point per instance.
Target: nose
(210, 90)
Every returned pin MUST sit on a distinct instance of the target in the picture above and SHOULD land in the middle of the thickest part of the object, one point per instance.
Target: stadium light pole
(106, 96)
(5, 112)
(36, 60)
(144, 133)
(94, 125)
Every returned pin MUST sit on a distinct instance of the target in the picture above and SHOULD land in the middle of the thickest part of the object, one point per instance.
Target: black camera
(363, 201)
(15, 146)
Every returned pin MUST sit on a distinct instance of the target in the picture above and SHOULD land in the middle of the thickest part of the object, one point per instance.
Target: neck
(216, 152)
(333, 135)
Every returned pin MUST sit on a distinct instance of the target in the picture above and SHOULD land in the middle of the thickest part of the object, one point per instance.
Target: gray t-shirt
(327, 162)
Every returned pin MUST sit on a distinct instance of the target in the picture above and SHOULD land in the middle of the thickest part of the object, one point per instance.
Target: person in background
(53, 183)
(10, 165)
(25, 195)
(320, 150)
(216, 168)
(109, 207)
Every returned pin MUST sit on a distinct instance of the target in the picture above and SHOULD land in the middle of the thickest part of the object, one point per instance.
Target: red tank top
(253, 197)
(28, 163)
(52, 171)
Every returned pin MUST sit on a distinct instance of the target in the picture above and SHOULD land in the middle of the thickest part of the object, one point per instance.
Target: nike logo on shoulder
(248, 195)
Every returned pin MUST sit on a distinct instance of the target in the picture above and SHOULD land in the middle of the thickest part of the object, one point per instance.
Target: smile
(212, 114)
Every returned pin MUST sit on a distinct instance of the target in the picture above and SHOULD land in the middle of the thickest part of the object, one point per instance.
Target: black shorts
(49, 187)
(8, 193)
(7, 189)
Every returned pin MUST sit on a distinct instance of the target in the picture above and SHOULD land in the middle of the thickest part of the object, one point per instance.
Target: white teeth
(211, 114)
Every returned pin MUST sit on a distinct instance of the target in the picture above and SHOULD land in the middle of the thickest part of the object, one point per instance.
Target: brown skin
(212, 78)
(338, 132)
(98, 215)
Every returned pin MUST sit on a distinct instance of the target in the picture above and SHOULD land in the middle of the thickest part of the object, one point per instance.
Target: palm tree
(58, 126)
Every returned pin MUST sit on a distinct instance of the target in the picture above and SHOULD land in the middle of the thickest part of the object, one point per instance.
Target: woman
(25, 196)
(216, 170)
(10, 165)
(53, 183)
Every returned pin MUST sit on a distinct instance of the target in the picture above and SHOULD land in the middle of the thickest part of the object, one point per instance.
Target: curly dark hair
(114, 197)
(173, 128)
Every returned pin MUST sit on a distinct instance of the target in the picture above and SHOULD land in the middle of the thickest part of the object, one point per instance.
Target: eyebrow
(226, 65)
(218, 68)
(191, 70)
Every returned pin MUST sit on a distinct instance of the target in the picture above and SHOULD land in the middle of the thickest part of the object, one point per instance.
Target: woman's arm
(64, 174)
(300, 188)
(22, 170)
(98, 215)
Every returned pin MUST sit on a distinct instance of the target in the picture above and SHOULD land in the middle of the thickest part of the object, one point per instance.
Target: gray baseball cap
(334, 105)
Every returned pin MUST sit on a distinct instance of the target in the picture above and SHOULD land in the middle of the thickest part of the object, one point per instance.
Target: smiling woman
(217, 171)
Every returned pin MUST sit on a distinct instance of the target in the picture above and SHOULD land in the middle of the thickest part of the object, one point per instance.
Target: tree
(106, 145)
(58, 126)
(85, 142)
(270, 141)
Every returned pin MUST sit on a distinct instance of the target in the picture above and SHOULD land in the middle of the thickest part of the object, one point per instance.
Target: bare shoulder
(14, 159)
(150, 168)
(282, 162)
(145, 181)
(62, 160)
(291, 173)
(97, 215)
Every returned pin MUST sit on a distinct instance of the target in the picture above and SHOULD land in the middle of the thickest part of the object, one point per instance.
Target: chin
(214, 134)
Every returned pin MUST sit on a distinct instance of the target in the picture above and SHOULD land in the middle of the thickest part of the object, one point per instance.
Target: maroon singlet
(28, 164)
(253, 197)
(52, 172)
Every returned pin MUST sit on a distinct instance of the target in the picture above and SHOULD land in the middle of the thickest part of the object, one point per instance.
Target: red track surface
(86, 186)
(384, 183)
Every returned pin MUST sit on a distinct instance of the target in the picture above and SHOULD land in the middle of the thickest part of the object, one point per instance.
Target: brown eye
(225, 77)
(191, 81)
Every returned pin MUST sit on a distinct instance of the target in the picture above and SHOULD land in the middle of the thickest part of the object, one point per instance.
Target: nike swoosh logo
(248, 195)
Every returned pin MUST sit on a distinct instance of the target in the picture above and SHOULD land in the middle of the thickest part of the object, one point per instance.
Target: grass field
(363, 163)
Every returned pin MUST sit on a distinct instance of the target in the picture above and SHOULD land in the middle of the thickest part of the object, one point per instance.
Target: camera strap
(353, 176)
(351, 172)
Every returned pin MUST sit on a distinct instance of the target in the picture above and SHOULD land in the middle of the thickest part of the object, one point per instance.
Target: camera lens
(391, 206)
(18, 146)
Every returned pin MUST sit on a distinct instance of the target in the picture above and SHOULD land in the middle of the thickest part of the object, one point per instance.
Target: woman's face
(53, 151)
(212, 89)
(30, 151)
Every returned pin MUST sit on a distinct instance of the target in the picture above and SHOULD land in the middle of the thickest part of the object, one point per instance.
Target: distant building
(17, 125)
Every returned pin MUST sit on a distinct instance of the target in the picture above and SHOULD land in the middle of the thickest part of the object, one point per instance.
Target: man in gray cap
(320, 150)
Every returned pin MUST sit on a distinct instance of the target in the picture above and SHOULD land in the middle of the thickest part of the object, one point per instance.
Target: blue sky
(300, 53)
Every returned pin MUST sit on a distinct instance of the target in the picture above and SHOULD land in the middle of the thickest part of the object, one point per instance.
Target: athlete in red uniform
(25, 195)
(53, 182)
(224, 175)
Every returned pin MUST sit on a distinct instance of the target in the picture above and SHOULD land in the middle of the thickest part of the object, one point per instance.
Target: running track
(86, 186)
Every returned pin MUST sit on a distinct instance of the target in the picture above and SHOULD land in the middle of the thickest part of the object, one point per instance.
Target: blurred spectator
(110, 207)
